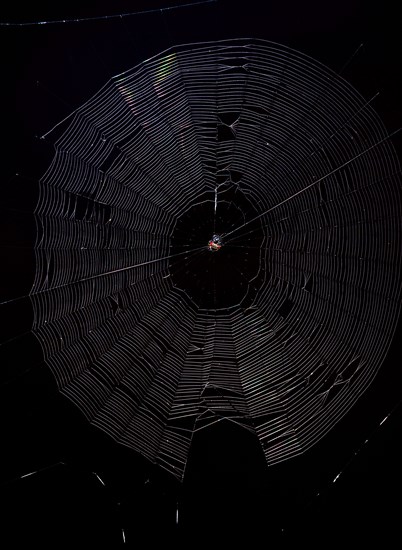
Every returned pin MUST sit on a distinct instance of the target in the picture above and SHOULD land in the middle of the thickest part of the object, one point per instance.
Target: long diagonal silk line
(103, 274)
(225, 235)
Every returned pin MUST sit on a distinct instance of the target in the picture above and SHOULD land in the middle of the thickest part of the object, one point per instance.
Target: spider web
(153, 336)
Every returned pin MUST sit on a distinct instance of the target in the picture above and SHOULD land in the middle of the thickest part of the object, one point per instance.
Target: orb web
(153, 329)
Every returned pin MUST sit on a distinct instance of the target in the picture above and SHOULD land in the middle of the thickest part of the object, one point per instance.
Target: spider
(215, 243)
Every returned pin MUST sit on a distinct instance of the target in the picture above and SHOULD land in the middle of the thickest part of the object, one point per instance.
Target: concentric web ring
(155, 334)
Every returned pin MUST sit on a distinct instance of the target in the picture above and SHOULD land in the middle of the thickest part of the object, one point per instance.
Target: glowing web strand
(103, 17)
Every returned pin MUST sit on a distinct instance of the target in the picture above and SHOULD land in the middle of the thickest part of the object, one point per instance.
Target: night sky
(228, 492)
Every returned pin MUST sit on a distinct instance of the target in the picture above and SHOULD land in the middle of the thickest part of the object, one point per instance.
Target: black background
(228, 493)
